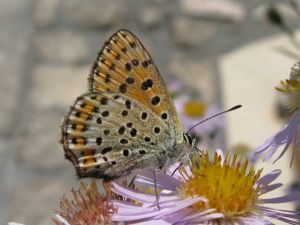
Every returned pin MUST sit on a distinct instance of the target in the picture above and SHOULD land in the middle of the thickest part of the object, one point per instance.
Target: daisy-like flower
(88, 206)
(289, 134)
(191, 112)
(208, 192)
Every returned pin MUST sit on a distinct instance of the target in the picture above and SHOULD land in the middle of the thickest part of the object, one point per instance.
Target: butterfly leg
(155, 189)
(131, 182)
(176, 169)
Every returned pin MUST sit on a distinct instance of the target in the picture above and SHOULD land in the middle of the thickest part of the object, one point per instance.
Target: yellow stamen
(228, 186)
(194, 109)
(291, 88)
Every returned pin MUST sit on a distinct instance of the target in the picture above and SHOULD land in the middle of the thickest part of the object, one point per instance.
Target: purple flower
(289, 134)
(88, 206)
(224, 191)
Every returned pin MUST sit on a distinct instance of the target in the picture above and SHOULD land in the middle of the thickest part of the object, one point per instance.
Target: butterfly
(127, 119)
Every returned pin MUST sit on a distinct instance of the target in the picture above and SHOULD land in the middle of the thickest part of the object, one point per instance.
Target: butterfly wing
(106, 135)
(124, 66)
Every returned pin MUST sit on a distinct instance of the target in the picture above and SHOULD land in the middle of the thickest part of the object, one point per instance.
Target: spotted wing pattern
(107, 135)
(124, 66)
(127, 120)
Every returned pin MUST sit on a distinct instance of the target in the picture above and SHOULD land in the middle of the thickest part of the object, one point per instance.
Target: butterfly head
(189, 139)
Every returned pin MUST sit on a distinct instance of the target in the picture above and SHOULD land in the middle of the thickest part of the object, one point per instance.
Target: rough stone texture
(215, 9)
(48, 107)
(6, 176)
(195, 74)
(46, 12)
(151, 17)
(69, 82)
(10, 65)
(38, 141)
(95, 13)
(14, 59)
(37, 197)
(189, 32)
(13, 7)
(62, 46)
(284, 9)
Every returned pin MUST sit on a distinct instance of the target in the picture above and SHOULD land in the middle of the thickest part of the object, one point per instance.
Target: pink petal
(183, 204)
(153, 222)
(270, 177)
(138, 196)
(270, 188)
(287, 198)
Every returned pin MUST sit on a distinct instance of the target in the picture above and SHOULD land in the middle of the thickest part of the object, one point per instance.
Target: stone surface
(69, 83)
(95, 13)
(10, 64)
(195, 74)
(46, 12)
(38, 140)
(63, 46)
(150, 17)
(34, 202)
(285, 9)
(215, 9)
(189, 32)
(15, 47)
(9, 7)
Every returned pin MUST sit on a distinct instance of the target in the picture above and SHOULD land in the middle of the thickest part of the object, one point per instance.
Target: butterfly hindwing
(107, 135)
(124, 66)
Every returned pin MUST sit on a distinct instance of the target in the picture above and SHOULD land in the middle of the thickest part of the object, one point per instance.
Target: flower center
(291, 88)
(228, 186)
(194, 109)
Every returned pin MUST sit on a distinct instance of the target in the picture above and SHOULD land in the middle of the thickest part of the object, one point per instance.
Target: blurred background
(213, 54)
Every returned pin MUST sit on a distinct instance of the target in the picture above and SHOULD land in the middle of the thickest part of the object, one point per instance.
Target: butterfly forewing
(124, 66)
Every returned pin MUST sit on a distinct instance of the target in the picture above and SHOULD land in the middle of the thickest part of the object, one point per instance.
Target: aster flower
(224, 191)
(191, 112)
(289, 134)
(88, 207)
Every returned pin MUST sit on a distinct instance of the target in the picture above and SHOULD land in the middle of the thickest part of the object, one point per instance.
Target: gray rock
(95, 13)
(259, 13)
(14, 59)
(34, 202)
(46, 12)
(54, 90)
(58, 86)
(189, 32)
(38, 140)
(215, 9)
(9, 7)
(62, 46)
(151, 17)
(198, 75)
(11, 76)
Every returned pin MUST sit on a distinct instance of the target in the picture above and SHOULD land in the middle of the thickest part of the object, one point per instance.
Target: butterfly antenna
(218, 114)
